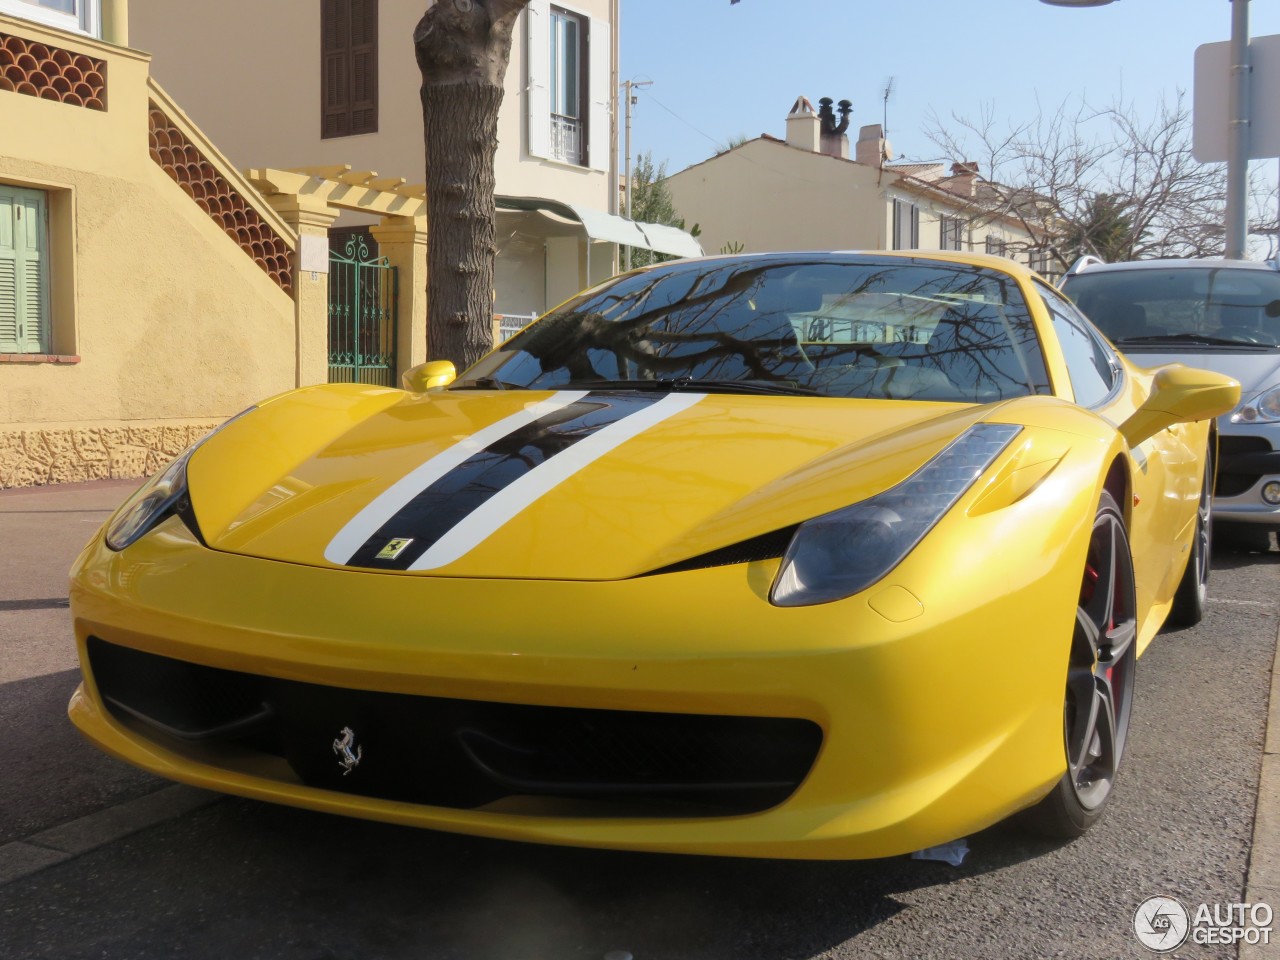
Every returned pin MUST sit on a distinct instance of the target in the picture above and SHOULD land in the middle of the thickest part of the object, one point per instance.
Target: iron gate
(362, 316)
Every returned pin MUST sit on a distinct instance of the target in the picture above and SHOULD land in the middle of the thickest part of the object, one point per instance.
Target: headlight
(1264, 408)
(157, 498)
(840, 553)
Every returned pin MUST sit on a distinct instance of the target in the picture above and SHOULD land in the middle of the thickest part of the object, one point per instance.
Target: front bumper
(1248, 458)
(935, 722)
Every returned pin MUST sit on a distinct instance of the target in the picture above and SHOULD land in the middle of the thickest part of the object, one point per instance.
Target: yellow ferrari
(817, 555)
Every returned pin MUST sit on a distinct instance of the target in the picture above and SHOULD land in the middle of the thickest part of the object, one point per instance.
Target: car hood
(1256, 370)
(541, 484)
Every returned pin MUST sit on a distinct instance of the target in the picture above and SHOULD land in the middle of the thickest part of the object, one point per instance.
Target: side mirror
(1180, 395)
(433, 373)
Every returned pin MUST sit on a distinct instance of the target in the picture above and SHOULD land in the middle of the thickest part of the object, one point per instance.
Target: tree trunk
(462, 47)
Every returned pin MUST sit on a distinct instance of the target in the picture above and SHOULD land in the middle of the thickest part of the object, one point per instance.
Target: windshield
(871, 327)
(1195, 305)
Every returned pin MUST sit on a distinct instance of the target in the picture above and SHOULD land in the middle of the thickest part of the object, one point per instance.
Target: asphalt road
(237, 879)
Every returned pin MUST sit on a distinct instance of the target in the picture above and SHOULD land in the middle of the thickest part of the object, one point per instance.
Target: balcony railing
(566, 138)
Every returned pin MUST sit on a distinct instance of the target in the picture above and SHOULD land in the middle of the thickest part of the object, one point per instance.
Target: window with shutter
(349, 67)
(906, 225)
(952, 230)
(569, 60)
(24, 280)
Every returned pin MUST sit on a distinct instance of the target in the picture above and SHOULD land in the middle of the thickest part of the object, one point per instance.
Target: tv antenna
(888, 91)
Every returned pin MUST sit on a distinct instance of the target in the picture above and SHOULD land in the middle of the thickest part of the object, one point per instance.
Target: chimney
(964, 176)
(803, 126)
(834, 143)
(872, 148)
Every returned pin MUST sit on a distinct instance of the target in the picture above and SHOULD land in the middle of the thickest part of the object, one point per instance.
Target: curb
(21, 858)
(1262, 882)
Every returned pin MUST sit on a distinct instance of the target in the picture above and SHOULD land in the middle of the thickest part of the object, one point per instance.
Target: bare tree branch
(1057, 173)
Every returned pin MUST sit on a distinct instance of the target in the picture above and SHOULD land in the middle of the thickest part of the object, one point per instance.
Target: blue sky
(722, 70)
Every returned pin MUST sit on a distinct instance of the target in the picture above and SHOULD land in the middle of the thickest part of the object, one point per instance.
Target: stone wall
(35, 457)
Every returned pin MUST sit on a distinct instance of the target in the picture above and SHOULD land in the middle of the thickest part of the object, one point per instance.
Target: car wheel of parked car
(1193, 590)
(1099, 692)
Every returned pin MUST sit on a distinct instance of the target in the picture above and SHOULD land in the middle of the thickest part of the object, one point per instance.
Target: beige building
(349, 96)
(132, 317)
(163, 264)
(812, 191)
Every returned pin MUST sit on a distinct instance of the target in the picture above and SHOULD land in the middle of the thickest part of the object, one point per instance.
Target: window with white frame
(570, 91)
(997, 246)
(567, 62)
(906, 225)
(82, 16)
(24, 270)
(952, 233)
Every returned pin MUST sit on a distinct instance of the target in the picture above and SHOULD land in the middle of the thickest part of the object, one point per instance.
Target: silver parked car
(1221, 315)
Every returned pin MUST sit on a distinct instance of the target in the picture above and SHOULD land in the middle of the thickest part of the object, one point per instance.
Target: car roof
(1092, 265)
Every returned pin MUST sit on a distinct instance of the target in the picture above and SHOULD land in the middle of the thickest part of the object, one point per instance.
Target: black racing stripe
(446, 502)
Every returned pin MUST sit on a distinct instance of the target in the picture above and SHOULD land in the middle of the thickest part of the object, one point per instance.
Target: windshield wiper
(696, 385)
(1203, 338)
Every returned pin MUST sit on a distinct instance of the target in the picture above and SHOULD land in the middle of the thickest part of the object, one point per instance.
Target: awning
(613, 229)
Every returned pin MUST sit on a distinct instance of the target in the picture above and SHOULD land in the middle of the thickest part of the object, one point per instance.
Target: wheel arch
(1119, 484)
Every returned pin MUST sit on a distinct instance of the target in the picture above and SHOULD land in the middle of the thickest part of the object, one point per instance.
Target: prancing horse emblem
(343, 745)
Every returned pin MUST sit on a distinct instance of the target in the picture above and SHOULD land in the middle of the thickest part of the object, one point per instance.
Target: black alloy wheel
(1099, 690)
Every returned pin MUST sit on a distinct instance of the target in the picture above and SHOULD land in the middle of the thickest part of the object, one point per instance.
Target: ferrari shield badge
(394, 548)
(349, 752)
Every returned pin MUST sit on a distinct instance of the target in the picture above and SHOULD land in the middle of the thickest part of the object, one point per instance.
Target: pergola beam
(340, 186)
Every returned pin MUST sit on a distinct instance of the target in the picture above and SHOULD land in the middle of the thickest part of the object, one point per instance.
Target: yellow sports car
(819, 555)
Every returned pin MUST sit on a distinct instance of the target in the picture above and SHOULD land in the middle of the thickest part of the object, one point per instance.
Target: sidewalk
(1262, 885)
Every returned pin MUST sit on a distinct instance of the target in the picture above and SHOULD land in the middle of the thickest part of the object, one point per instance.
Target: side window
(24, 271)
(349, 68)
(1089, 360)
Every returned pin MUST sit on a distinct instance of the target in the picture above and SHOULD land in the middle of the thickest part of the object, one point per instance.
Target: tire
(1193, 590)
(1099, 688)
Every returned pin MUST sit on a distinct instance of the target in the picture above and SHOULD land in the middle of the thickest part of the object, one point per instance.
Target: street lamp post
(629, 100)
(1236, 225)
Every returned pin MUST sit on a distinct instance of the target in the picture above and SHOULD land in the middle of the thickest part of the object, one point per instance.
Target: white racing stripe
(507, 503)
(388, 503)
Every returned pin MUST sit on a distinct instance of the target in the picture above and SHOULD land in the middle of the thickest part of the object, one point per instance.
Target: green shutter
(24, 279)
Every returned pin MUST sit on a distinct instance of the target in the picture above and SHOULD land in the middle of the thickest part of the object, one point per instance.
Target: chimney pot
(804, 129)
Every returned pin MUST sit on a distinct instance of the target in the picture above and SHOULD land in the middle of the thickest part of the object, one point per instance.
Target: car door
(1166, 474)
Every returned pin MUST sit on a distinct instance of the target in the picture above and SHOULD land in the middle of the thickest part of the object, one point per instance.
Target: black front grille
(463, 753)
(1238, 464)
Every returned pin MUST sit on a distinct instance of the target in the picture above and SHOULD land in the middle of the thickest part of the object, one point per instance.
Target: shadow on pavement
(50, 773)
